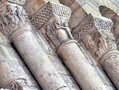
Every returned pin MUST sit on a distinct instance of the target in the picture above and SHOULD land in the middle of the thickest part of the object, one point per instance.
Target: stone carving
(70, 52)
(48, 31)
(109, 52)
(104, 27)
(19, 2)
(101, 39)
(87, 33)
(20, 34)
(51, 36)
(61, 18)
(97, 42)
(43, 15)
(61, 14)
(103, 24)
(12, 18)
(18, 84)
(108, 13)
(107, 40)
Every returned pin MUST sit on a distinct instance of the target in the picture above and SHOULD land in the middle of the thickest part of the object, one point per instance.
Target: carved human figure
(90, 44)
(13, 20)
(71, 53)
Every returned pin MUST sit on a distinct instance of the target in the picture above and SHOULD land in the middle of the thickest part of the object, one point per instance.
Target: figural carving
(12, 17)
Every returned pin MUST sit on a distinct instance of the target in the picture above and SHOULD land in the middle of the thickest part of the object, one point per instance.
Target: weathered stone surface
(108, 13)
(81, 69)
(61, 36)
(100, 44)
(87, 35)
(78, 13)
(13, 75)
(50, 47)
(67, 3)
(61, 68)
(113, 61)
(31, 6)
(17, 28)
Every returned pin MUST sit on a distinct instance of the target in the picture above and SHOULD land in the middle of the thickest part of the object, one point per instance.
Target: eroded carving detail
(61, 17)
(103, 23)
(42, 16)
(88, 36)
(12, 17)
(108, 13)
(104, 27)
(65, 50)
(96, 36)
(18, 84)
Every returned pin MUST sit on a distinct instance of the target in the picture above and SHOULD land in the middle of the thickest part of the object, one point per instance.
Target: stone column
(109, 55)
(99, 45)
(106, 12)
(13, 75)
(14, 24)
(41, 19)
(72, 55)
(86, 33)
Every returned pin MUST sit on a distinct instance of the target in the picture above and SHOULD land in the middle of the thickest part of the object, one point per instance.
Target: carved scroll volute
(12, 17)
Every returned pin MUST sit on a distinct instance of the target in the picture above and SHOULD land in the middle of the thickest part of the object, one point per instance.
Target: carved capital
(52, 20)
(95, 35)
(104, 27)
(12, 17)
